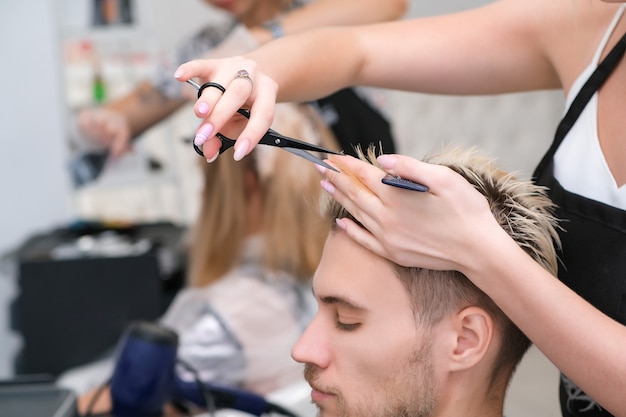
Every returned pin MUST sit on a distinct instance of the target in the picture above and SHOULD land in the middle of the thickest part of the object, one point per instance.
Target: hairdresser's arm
(494, 49)
(116, 124)
(334, 12)
(451, 228)
(497, 48)
(582, 342)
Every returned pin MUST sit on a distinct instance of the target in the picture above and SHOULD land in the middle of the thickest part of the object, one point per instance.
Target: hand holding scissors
(295, 146)
(271, 138)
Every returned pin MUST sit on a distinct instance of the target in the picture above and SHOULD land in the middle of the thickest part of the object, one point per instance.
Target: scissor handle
(271, 137)
(209, 84)
(226, 141)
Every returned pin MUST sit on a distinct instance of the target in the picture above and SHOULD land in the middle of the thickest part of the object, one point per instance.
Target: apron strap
(591, 86)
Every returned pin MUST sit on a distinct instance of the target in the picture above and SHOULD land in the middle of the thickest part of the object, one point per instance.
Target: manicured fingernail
(203, 108)
(340, 224)
(213, 158)
(328, 187)
(203, 134)
(387, 161)
(179, 73)
(321, 169)
(241, 149)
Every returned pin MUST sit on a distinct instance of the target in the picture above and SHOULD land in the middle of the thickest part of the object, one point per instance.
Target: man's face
(363, 353)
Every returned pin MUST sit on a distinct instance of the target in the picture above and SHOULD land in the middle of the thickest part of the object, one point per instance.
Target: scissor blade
(304, 154)
(193, 84)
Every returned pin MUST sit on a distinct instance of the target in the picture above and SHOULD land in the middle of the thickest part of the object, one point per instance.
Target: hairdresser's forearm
(582, 342)
(432, 55)
(311, 65)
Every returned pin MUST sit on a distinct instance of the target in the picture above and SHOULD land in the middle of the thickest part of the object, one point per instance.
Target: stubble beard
(410, 393)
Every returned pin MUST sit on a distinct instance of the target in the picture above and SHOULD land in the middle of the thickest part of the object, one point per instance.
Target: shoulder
(567, 32)
(550, 24)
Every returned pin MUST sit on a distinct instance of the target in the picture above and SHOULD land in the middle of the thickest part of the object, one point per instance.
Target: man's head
(395, 341)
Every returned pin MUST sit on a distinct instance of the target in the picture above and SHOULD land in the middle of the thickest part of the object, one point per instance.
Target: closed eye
(348, 314)
(346, 326)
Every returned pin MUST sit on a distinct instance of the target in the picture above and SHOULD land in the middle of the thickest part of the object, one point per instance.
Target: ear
(474, 330)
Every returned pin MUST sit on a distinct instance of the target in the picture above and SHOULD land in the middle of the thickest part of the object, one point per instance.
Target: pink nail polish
(203, 134)
(203, 108)
(241, 149)
(387, 161)
(213, 158)
(328, 187)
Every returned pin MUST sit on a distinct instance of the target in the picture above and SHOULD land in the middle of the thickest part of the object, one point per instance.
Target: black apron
(593, 240)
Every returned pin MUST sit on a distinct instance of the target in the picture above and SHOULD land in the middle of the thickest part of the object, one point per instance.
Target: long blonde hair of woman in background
(292, 228)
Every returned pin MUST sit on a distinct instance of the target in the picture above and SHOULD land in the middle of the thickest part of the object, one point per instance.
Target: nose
(312, 346)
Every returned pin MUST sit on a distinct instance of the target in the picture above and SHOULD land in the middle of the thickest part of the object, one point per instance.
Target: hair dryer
(144, 378)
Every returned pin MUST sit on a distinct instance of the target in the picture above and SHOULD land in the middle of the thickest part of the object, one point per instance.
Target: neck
(469, 395)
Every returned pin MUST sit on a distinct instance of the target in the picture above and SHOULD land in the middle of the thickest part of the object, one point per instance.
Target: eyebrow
(341, 301)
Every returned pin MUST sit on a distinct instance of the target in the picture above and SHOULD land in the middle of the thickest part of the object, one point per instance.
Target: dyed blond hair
(292, 230)
(523, 210)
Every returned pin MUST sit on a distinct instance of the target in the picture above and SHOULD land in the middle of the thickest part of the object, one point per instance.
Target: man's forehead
(349, 274)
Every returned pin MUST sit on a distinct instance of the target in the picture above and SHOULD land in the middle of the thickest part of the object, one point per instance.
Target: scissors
(295, 146)
(271, 138)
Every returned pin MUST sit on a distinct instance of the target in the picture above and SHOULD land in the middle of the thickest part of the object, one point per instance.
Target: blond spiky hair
(522, 208)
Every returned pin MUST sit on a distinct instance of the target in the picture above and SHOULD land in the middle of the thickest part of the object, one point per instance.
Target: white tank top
(579, 164)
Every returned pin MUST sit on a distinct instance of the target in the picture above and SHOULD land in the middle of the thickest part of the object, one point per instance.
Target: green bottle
(99, 86)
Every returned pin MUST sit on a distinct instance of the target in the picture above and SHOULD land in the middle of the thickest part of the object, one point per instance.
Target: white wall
(33, 183)
(32, 178)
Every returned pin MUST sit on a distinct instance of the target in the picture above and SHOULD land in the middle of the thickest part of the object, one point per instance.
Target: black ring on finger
(197, 149)
(211, 84)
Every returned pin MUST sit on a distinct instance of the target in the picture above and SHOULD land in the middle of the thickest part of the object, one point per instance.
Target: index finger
(260, 120)
(360, 171)
(357, 186)
(201, 68)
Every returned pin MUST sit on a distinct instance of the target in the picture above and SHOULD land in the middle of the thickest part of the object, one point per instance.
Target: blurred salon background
(60, 55)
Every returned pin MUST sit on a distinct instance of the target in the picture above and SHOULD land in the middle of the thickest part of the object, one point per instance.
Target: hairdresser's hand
(438, 229)
(258, 94)
(107, 128)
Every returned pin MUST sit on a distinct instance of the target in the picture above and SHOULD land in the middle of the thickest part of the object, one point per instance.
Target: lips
(319, 396)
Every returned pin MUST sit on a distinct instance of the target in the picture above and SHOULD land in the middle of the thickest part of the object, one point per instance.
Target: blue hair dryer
(144, 378)
(144, 372)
